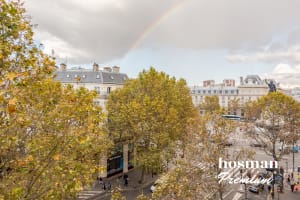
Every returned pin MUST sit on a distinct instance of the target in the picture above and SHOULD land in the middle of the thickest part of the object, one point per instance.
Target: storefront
(116, 162)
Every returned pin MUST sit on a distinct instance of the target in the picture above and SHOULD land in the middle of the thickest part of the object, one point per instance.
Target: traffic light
(273, 164)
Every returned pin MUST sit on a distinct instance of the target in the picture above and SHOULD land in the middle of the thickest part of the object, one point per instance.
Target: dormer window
(75, 76)
(98, 76)
(84, 76)
(111, 77)
(68, 75)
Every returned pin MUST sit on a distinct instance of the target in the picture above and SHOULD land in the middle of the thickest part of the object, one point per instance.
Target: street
(132, 194)
(238, 191)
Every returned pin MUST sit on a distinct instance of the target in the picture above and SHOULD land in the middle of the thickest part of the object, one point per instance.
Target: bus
(232, 117)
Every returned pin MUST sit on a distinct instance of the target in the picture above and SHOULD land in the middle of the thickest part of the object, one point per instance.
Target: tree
(210, 104)
(233, 106)
(192, 177)
(19, 56)
(151, 112)
(196, 175)
(292, 125)
(50, 135)
(276, 122)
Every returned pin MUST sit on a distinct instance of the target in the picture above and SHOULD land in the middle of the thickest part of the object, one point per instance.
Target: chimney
(95, 67)
(241, 81)
(63, 67)
(107, 69)
(116, 69)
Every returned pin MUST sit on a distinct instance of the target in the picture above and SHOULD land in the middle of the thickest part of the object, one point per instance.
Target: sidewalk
(97, 190)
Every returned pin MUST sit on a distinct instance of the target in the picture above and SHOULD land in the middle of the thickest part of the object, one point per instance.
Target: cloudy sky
(191, 39)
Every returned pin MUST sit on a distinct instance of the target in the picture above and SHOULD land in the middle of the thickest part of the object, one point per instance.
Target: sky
(192, 39)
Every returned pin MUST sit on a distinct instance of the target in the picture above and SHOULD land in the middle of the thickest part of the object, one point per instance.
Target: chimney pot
(116, 69)
(63, 67)
(95, 67)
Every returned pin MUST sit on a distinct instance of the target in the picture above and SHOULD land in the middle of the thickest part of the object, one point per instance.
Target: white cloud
(285, 69)
(288, 76)
(290, 55)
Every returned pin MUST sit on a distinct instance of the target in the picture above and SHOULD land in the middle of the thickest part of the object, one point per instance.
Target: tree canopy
(277, 119)
(50, 135)
(210, 104)
(152, 112)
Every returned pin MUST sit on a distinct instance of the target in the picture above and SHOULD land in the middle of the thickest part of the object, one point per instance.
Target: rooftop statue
(272, 86)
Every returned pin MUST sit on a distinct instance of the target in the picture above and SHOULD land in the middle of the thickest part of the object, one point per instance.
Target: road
(238, 191)
(131, 195)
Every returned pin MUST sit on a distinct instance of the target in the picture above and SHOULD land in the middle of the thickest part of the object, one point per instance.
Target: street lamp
(241, 171)
(278, 190)
(273, 183)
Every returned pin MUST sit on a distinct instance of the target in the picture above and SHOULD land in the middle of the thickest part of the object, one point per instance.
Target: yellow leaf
(11, 76)
(30, 158)
(12, 105)
(56, 157)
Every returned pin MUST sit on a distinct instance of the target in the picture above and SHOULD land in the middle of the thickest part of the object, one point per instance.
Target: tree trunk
(142, 175)
(220, 192)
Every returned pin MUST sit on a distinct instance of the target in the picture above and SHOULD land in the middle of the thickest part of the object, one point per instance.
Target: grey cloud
(106, 32)
(234, 25)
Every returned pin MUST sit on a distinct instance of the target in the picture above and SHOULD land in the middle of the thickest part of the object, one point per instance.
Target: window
(98, 76)
(232, 117)
(124, 78)
(226, 91)
(97, 89)
(232, 91)
(108, 90)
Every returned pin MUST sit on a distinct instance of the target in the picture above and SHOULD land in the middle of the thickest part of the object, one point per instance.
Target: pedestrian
(104, 186)
(292, 185)
(289, 180)
(126, 180)
(108, 186)
(100, 181)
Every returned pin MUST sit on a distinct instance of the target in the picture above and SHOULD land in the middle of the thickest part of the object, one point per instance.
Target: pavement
(238, 192)
(97, 191)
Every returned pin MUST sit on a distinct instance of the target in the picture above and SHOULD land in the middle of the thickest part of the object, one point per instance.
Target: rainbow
(155, 23)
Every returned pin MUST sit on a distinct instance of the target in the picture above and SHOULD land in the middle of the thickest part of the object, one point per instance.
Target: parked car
(254, 189)
(159, 182)
(152, 188)
(228, 144)
(296, 148)
(258, 145)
